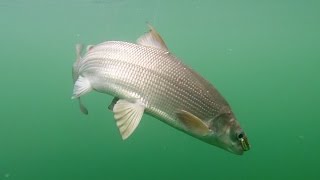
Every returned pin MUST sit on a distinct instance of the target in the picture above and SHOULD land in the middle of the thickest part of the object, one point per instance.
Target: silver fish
(144, 77)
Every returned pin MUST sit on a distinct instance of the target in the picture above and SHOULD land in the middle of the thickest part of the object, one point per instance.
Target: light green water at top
(263, 56)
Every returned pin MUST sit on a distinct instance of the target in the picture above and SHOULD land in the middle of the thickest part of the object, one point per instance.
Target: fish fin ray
(81, 87)
(128, 116)
(193, 123)
(152, 39)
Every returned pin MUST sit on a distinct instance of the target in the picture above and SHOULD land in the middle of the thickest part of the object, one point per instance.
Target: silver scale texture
(160, 80)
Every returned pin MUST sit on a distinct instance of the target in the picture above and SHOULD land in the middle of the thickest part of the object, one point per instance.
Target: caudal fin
(75, 75)
(83, 109)
(79, 48)
(75, 68)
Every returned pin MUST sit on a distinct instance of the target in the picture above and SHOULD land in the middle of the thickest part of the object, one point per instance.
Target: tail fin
(79, 48)
(83, 109)
(75, 74)
(75, 68)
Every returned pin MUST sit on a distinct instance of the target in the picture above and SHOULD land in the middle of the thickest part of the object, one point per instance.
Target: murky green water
(263, 56)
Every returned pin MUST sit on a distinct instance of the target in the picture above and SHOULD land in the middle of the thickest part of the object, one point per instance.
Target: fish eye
(240, 135)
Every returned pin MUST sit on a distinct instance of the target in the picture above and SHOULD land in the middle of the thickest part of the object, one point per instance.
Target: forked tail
(75, 74)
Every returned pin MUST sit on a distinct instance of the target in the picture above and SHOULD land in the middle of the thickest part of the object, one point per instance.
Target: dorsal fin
(152, 39)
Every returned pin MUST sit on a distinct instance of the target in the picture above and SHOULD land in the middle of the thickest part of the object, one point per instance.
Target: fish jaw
(227, 134)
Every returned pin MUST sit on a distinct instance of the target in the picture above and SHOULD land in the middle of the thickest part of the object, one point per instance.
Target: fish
(144, 77)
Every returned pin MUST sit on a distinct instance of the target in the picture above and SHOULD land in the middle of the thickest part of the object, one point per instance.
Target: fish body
(144, 77)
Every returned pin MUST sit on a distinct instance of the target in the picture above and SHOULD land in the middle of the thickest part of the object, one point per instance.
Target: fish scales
(156, 78)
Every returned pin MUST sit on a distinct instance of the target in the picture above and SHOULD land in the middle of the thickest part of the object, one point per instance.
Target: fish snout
(244, 143)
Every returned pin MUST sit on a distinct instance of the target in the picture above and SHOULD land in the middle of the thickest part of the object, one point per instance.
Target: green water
(263, 56)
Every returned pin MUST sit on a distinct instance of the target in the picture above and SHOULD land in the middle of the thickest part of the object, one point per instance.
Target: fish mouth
(244, 143)
(241, 147)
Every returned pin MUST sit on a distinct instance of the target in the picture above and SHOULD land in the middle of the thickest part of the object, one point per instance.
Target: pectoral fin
(128, 115)
(152, 39)
(193, 123)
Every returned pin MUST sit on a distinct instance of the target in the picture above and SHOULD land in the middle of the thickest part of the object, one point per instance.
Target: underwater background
(263, 56)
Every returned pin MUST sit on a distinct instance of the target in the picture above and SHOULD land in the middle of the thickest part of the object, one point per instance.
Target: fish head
(227, 134)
